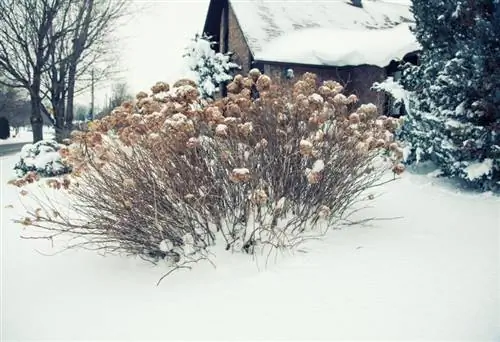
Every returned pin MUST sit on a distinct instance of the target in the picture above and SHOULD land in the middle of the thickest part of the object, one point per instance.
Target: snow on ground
(340, 47)
(26, 136)
(434, 274)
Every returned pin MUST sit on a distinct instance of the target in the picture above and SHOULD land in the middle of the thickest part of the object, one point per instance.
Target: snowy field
(431, 275)
(25, 135)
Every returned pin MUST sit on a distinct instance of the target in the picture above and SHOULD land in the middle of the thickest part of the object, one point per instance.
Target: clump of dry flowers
(166, 175)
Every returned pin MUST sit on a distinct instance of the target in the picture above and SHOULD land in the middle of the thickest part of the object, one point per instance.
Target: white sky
(152, 43)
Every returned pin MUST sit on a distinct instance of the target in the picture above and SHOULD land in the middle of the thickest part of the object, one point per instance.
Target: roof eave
(321, 66)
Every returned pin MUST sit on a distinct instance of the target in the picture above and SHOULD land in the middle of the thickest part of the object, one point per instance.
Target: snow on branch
(211, 68)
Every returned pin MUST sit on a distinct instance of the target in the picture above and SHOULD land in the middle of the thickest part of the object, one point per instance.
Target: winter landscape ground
(432, 274)
(428, 269)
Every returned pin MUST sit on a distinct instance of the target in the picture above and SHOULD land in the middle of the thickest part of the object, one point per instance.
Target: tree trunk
(36, 118)
(36, 108)
(59, 126)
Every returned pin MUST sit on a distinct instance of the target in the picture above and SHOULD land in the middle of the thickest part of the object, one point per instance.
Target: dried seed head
(398, 169)
(305, 148)
(221, 130)
(240, 175)
(354, 118)
(254, 74)
(324, 211)
(193, 143)
(263, 83)
(259, 197)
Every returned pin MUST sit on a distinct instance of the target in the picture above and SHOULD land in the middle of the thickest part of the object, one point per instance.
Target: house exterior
(350, 42)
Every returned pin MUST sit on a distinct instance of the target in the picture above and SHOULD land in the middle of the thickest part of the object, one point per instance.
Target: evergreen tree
(454, 117)
(210, 68)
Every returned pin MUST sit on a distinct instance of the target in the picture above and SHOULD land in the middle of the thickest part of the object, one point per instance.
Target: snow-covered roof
(263, 21)
(341, 47)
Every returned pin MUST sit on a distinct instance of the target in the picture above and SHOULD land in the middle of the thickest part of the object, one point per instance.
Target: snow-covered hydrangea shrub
(454, 116)
(165, 178)
(45, 158)
(211, 68)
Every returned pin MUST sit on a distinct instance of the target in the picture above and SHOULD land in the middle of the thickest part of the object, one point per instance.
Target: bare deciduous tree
(47, 46)
(25, 48)
(119, 93)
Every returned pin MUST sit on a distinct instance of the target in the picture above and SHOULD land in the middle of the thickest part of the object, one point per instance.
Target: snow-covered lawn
(434, 274)
(26, 136)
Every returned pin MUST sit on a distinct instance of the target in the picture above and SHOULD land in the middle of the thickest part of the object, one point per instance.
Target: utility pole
(92, 100)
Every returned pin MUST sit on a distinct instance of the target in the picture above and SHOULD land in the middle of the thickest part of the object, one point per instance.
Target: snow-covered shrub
(45, 158)
(165, 178)
(399, 97)
(454, 116)
(211, 68)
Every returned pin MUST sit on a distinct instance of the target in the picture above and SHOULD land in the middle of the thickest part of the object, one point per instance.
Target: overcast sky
(151, 44)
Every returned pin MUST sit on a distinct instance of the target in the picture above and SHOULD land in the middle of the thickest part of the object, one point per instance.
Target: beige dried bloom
(398, 169)
(141, 95)
(231, 121)
(362, 147)
(340, 99)
(221, 130)
(370, 110)
(305, 147)
(263, 83)
(399, 153)
(160, 87)
(354, 118)
(352, 99)
(238, 79)
(388, 136)
(254, 74)
(233, 88)
(262, 144)
(325, 91)
(214, 114)
(240, 175)
(324, 211)
(319, 135)
(26, 221)
(316, 100)
(232, 109)
(247, 83)
(393, 146)
(187, 93)
(246, 129)
(258, 197)
(193, 142)
(64, 152)
(312, 176)
(185, 81)
(333, 85)
(379, 143)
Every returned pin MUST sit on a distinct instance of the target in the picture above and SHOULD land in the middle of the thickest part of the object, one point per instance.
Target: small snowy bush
(211, 68)
(165, 179)
(399, 97)
(44, 158)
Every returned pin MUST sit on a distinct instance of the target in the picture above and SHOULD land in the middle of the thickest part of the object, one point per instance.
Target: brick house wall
(236, 42)
(356, 79)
